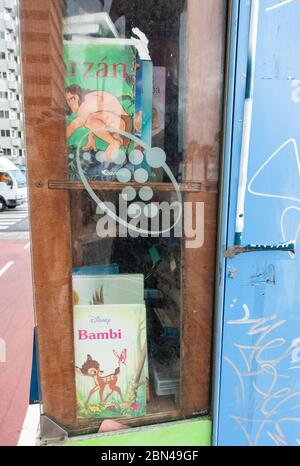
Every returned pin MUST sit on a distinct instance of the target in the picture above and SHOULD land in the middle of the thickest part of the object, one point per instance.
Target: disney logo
(99, 320)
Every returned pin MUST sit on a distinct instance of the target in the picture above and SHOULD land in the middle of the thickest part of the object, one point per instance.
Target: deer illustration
(91, 368)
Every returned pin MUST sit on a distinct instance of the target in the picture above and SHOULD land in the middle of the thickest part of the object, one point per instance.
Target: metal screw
(39, 184)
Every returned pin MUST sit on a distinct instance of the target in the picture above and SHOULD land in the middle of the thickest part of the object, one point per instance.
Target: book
(143, 101)
(143, 106)
(111, 360)
(108, 289)
(169, 320)
(159, 115)
(107, 269)
(96, 23)
(101, 289)
(100, 103)
(166, 378)
(159, 100)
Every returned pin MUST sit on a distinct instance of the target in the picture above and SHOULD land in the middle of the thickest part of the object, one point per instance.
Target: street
(13, 220)
(16, 322)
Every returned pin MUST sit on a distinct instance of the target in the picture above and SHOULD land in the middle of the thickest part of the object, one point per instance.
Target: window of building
(8, 36)
(3, 95)
(6, 151)
(11, 76)
(10, 56)
(3, 75)
(5, 133)
(2, 56)
(7, 14)
(4, 114)
(2, 35)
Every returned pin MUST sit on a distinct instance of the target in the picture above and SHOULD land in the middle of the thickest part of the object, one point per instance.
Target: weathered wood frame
(43, 84)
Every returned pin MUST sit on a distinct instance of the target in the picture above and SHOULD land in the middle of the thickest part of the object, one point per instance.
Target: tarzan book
(100, 103)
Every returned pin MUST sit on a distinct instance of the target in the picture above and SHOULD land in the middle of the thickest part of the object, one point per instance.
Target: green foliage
(128, 103)
(114, 407)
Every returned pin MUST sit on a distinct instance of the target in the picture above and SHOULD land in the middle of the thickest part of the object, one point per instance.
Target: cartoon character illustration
(122, 357)
(98, 111)
(91, 368)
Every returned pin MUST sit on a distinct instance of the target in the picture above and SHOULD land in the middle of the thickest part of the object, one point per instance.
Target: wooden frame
(116, 186)
(49, 191)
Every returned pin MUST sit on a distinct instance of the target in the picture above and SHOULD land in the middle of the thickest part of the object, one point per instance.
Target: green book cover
(111, 360)
(100, 101)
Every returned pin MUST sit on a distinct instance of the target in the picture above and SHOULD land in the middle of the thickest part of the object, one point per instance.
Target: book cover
(100, 102)
(159, 100)
(108, 289)
(159, 115)
(111, 360)
(143, 106)
(143, 103)
(102, 289)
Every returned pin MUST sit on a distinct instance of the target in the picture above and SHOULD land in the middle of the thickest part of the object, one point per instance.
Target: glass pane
(138, 160)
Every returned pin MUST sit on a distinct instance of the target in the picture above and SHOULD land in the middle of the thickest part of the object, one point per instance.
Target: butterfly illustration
(122, 357)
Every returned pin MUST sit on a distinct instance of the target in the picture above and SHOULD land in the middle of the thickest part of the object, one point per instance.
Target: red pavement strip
(16, 329)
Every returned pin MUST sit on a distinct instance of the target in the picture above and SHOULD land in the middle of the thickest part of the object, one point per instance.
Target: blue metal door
(257, 371)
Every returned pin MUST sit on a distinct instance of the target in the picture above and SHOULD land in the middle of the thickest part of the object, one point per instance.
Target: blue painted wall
(257, 373)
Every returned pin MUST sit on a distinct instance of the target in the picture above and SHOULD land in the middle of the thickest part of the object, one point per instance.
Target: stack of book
(166, 377)
(108, 84)
(95, 25)
(110, 341)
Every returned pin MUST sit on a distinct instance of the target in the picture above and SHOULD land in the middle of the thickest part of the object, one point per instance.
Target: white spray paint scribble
(283, 223)
(265, 166)
(261, 364)
(296, 351)
(279, 5)
(272, 156)
(296, 91)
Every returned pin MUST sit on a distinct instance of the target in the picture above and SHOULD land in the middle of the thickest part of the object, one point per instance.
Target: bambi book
(111, 360)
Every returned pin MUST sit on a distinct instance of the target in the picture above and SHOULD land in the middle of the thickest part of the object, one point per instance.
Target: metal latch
(236, 250)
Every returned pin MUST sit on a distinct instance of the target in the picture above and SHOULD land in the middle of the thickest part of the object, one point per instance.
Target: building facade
(11, 116)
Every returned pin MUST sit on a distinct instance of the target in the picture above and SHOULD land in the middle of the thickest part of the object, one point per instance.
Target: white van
(13, 185)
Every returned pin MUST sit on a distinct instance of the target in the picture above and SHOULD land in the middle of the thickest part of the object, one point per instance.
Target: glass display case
(123, 115)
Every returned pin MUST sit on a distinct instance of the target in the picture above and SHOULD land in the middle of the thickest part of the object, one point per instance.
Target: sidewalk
(16, 332)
